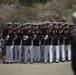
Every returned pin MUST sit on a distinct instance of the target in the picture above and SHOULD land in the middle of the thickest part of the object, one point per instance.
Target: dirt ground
(62, 68)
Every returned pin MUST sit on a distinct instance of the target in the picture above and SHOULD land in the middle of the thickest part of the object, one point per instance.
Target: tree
(31, 2)
(43, 1)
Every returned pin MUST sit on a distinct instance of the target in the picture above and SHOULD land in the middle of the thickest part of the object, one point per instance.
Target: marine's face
(50, 27)
(14, 28)
(45, 26)
(32, 26)
(40, 26)
(60, 26)
(57, 27)
(25, 27)
(36, 27)
(63, 27)
(18, 27)
(10, 27)
(67, 27)
(29, 27)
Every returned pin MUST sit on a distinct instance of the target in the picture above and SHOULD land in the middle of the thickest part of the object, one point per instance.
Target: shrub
(9, 1)
(69, 3)
(24, 14)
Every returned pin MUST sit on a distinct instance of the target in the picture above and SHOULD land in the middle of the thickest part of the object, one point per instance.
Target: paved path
(36, 69)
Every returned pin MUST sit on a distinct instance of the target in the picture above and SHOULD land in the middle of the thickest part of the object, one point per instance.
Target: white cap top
(9, 23)
(28, 23)
(47, 22)
(74, 15)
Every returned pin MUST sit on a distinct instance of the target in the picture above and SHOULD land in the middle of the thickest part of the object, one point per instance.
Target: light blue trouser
(9, 54)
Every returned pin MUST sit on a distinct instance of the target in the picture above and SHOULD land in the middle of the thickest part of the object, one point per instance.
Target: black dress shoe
(11, 62)
(63, 61)
(52, 62)
(6, 62)
(57, 62)
(38, 62)
(31, 62)
(25, 63)
(68, 60)
(45, 62)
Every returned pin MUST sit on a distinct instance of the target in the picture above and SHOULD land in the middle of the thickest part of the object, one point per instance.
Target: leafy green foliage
(8, 1)
(36, 10)
(24, 14)
(23, 2)
(70, 3)
(31, 2)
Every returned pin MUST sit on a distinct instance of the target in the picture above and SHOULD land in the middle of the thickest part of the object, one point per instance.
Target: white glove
(26, 37)
(46, 37)
(7, 37)
(35, 36)
(15, 36)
